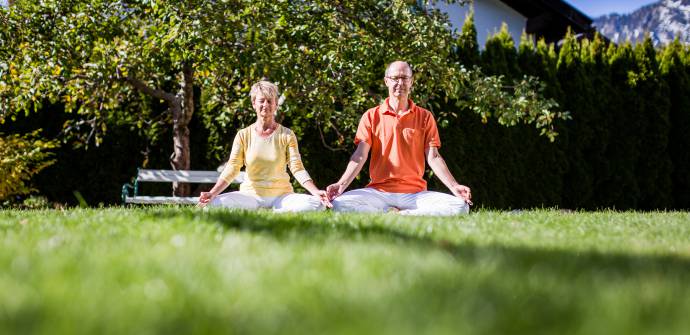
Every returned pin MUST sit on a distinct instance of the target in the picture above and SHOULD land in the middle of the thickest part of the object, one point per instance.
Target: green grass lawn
(167, 270)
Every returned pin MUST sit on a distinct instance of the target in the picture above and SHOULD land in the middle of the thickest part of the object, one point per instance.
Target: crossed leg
(432, 203)
(236, 200)
(366, 200)
(296, 202)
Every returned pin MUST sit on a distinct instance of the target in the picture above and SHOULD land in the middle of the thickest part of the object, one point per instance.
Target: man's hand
(334, 190)
(204, 199)
(462, 191)
(357, 160)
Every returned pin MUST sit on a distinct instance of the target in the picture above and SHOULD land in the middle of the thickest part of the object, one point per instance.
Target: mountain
(664, 20)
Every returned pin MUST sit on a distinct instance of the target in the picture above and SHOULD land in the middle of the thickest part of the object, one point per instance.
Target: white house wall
(488, 17)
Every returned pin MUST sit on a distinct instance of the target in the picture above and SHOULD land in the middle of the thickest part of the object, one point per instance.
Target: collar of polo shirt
(387, 109)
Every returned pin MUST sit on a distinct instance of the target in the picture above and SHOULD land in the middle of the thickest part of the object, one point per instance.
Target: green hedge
(625, 148)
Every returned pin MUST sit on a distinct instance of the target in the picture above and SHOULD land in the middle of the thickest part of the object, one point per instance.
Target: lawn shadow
(495, 288)
(317, 227)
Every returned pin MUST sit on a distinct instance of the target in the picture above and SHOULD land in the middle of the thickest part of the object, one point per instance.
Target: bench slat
(179, 176)
(161, 200)
(189, 176)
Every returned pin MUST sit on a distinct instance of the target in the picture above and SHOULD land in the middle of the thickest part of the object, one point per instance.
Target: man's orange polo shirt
(397, 145)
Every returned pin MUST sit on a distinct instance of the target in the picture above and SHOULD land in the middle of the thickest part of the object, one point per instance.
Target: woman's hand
(315, 191)
(205, 198)
(323, 197)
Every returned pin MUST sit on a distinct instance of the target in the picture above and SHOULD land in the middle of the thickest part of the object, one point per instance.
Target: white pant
(291, 202)
(421, 203)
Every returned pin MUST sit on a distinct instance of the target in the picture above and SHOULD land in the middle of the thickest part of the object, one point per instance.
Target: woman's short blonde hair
(266, 88)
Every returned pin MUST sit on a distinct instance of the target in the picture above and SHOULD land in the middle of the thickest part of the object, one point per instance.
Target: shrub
(21, 157)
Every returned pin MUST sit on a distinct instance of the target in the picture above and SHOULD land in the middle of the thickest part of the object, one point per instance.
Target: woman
(265, 148)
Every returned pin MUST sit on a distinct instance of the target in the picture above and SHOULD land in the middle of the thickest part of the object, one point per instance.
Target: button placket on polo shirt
(400, 125)
(399, 121)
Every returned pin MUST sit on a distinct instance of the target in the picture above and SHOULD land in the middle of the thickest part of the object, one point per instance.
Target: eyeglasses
(405, 79)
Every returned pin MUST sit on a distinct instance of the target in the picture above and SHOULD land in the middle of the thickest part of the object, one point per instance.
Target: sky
(596, 8)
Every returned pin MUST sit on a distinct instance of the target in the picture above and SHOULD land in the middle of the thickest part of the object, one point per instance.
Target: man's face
(399, 80)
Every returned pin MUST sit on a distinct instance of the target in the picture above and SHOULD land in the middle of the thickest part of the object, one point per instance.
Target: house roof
(551, 18)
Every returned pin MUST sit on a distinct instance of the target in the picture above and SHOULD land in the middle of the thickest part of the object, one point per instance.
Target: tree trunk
(180, 157)
(182, 111)
(181, 105)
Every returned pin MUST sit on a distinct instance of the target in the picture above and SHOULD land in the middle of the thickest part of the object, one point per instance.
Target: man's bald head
(397, 65)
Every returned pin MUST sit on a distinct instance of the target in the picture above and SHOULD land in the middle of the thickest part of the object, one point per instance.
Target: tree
(654, 163)
(675, 69)
(543, 163)
(620, 185)
(328, 57)
(467, 47)
(599, 119)
(98, 56)
(578, 184)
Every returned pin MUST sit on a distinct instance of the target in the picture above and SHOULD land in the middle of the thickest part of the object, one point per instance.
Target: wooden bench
(169, 176)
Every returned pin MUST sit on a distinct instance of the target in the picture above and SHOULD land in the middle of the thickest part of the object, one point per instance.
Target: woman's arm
(301, 174)
(231, 170)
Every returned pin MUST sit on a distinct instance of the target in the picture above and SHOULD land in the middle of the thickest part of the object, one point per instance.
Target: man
(400, 135)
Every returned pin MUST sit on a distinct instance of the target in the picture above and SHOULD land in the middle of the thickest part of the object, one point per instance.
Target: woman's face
(265, 108)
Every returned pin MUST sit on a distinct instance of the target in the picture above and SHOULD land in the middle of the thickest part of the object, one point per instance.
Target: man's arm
(438, 165)
(357, 160)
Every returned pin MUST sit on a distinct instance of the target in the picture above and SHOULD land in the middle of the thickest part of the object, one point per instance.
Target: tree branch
(156, 93)
(341, 138)
(323, 140)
